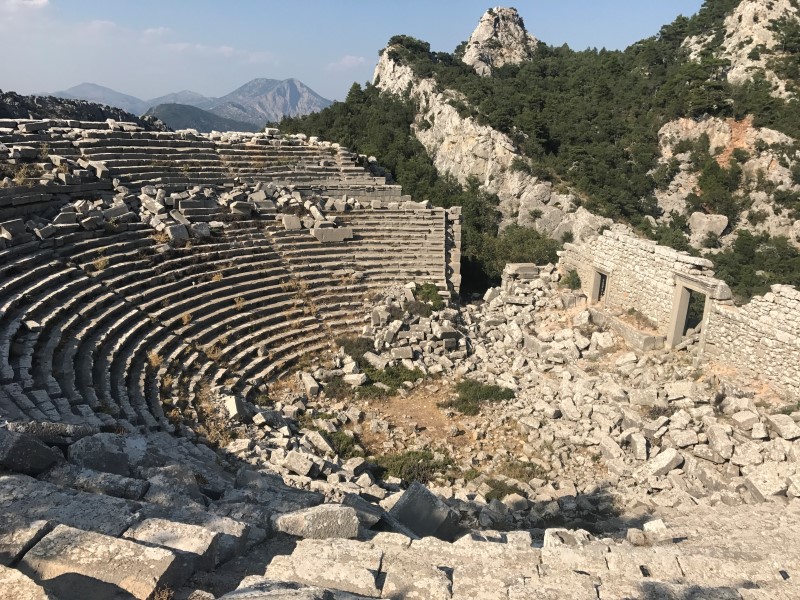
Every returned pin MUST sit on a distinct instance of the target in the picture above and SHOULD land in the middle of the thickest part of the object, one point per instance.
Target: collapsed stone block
(72, 563)
(323, 521)
(26, 454)
(424, 513)
(197, 543)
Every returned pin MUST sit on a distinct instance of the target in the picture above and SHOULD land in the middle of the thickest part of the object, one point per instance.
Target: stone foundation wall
(761, 338)
(641, 274)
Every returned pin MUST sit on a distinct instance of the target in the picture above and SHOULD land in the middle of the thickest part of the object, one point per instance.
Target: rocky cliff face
(461, 147)
(751, 41)
(767, 169)
(500, 39)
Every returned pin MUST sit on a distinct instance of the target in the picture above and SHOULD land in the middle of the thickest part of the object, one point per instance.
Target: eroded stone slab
(199, 543)
(18, 586)
(72, 563)
(324, 521)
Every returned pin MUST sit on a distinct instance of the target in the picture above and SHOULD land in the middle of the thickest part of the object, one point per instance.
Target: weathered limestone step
(15, 585)
(197, 544)
(26, 500)
(73, 563)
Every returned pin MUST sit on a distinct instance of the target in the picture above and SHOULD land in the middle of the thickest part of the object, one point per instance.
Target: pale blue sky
(148, 48)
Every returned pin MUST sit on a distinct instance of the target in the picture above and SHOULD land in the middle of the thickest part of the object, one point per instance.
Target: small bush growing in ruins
(166, 382)
(428, 292)
(160, 237)
(98, 264)
(354, 346)
(572, 280)
(186, 318)
(154, 359)
(413, 465)
(216, 277)
(393, 377)
(788, 410)
(163, 593)
(345, 446)
(470, 475)
(337, 389)
(44, 151)
(471, 394)
(522, 471)
(25, 172)
(239, 302)
(654, 412)
(501, 489)
(419, 309)
(756, 217)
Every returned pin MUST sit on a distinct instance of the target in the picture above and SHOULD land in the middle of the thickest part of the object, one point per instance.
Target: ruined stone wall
(641, 274)
(761, 338)
(758, 340)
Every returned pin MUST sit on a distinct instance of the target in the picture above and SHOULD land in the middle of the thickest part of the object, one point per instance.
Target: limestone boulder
(25, 454)
(72, 563)
(16, 585)
(701, 224)
(319, 522)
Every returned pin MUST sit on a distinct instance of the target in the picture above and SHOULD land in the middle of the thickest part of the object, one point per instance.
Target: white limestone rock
(100, 565)
(319, 522)
(500, 39)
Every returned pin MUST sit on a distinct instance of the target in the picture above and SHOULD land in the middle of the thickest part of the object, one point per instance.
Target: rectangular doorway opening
(599, 286)
(690, 309)
(694, 313)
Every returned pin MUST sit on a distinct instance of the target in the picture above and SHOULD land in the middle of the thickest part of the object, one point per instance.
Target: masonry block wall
(641, 274)
(761, 338)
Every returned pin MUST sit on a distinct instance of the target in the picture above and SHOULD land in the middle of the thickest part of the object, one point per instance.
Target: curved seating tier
(399, 245)
(115, 328)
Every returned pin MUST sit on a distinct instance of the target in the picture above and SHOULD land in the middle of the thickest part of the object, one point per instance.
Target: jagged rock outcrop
(500, 39)
(463, 148)
(766, 170)
(751, 42)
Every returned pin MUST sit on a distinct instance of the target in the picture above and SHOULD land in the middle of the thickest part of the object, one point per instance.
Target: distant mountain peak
(499, 39)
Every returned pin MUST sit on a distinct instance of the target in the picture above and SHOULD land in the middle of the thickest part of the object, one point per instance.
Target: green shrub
(413, 465)
(711, 240)
(522, 471)
(391, 376)
(419, 309)
(756, 217)
(355, 347)
(428, 292)
(471, 394)
(344, 445)
(501, 489)
(337, 389)
(572, 280)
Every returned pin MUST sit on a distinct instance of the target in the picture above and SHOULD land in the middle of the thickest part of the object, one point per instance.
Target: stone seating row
(107, 327)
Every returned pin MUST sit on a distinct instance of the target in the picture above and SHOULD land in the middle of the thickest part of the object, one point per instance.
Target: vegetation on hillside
(586, 118)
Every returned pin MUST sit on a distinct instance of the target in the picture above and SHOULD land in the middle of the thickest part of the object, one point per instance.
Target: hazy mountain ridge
(13, 106)
(183, 116)
(257, 102)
